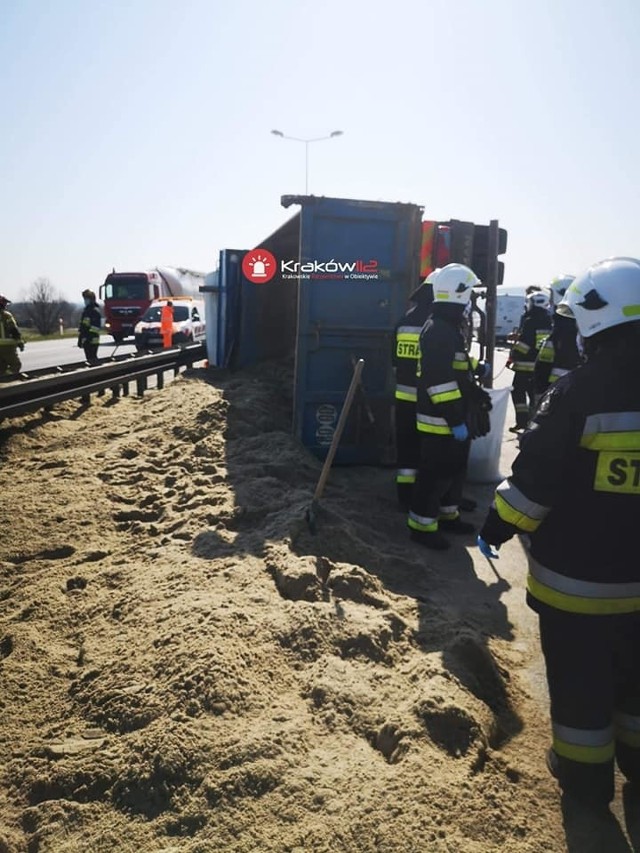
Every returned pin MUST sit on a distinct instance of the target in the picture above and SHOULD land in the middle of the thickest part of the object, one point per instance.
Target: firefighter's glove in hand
(460, 432)
(486, 549)
(21, 345)
(483, 369)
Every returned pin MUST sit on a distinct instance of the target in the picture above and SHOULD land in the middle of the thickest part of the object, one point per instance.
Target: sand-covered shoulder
(184, 666)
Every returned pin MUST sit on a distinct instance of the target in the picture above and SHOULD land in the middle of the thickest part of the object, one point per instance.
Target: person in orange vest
(166, 324)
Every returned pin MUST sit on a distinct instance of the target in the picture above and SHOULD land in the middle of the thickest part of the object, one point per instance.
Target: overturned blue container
(345, 270)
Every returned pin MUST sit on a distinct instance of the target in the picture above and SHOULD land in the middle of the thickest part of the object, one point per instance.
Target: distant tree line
(44, 308)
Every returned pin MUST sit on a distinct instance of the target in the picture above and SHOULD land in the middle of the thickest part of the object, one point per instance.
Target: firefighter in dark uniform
(535, 326)
(89, 331)
(406, 352)
(10, 340)
(558, 353)
(443, 373)
(575, 494)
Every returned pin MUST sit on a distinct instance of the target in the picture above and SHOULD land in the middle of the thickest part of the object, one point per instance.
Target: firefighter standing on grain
(575, 492)
(443, 378)
(89, 330)
(535, 326)
(166, 324)
(558, 353)
(406, 353)
(10, 340)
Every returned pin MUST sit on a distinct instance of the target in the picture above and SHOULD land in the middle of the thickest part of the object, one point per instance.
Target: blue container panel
(328, 370)
(367, 437)
(343, 319)
(268, 312)
(367, 432)
(226, 304)
(345, 232)
(346, 304)
(267, 321)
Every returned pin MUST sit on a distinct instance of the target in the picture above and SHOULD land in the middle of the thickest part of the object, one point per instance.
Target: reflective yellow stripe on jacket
(578, 596)
(460, 361)
(444, 392)
(557, 373)
(612, 431)
(407, 392)
(547, 351)
(517, 509)
(521, 347)
(436, 426)
(6, 339)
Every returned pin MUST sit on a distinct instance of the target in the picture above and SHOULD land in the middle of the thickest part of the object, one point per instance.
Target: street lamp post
(306, 150)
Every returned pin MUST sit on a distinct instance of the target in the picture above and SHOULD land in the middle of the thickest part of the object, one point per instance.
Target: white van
(189, 324)
(509, 310)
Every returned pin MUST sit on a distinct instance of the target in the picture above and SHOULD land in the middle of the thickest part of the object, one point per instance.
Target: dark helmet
(88, 294)
(423, 294)
(4, 301)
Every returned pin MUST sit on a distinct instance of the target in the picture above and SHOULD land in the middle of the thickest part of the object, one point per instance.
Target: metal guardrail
(57, 369)
(43, 391)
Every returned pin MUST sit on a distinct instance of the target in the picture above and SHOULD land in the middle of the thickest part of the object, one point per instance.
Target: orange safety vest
(166, 324)
(166, 318)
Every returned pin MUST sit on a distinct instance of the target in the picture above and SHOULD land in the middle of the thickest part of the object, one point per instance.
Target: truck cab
(126, 296)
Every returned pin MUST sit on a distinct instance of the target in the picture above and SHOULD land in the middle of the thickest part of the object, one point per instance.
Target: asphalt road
(39, 354)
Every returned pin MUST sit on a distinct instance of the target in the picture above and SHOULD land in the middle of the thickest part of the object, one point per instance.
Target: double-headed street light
(306, 150)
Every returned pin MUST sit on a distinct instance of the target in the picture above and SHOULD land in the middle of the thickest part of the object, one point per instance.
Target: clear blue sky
(137, 133)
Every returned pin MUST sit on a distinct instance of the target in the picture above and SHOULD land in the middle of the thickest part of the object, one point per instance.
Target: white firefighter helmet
(605, 295)
(558, 287)
(537, 299)
(452, 283)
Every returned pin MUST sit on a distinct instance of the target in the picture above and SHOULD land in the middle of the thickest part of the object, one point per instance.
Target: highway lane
(51, 353)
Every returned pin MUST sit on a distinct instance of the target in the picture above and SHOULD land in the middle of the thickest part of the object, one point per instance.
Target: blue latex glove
(488, 550)
(460, 432)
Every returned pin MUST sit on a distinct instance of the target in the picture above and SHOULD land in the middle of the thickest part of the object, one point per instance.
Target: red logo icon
(259, 266)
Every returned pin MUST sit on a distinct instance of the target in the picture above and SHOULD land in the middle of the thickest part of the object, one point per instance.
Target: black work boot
(467, 504)
(434, 540)
(591, 786)
(456, 525)
(628, 761)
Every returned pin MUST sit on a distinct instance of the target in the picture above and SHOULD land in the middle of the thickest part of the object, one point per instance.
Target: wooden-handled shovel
(310, 514)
